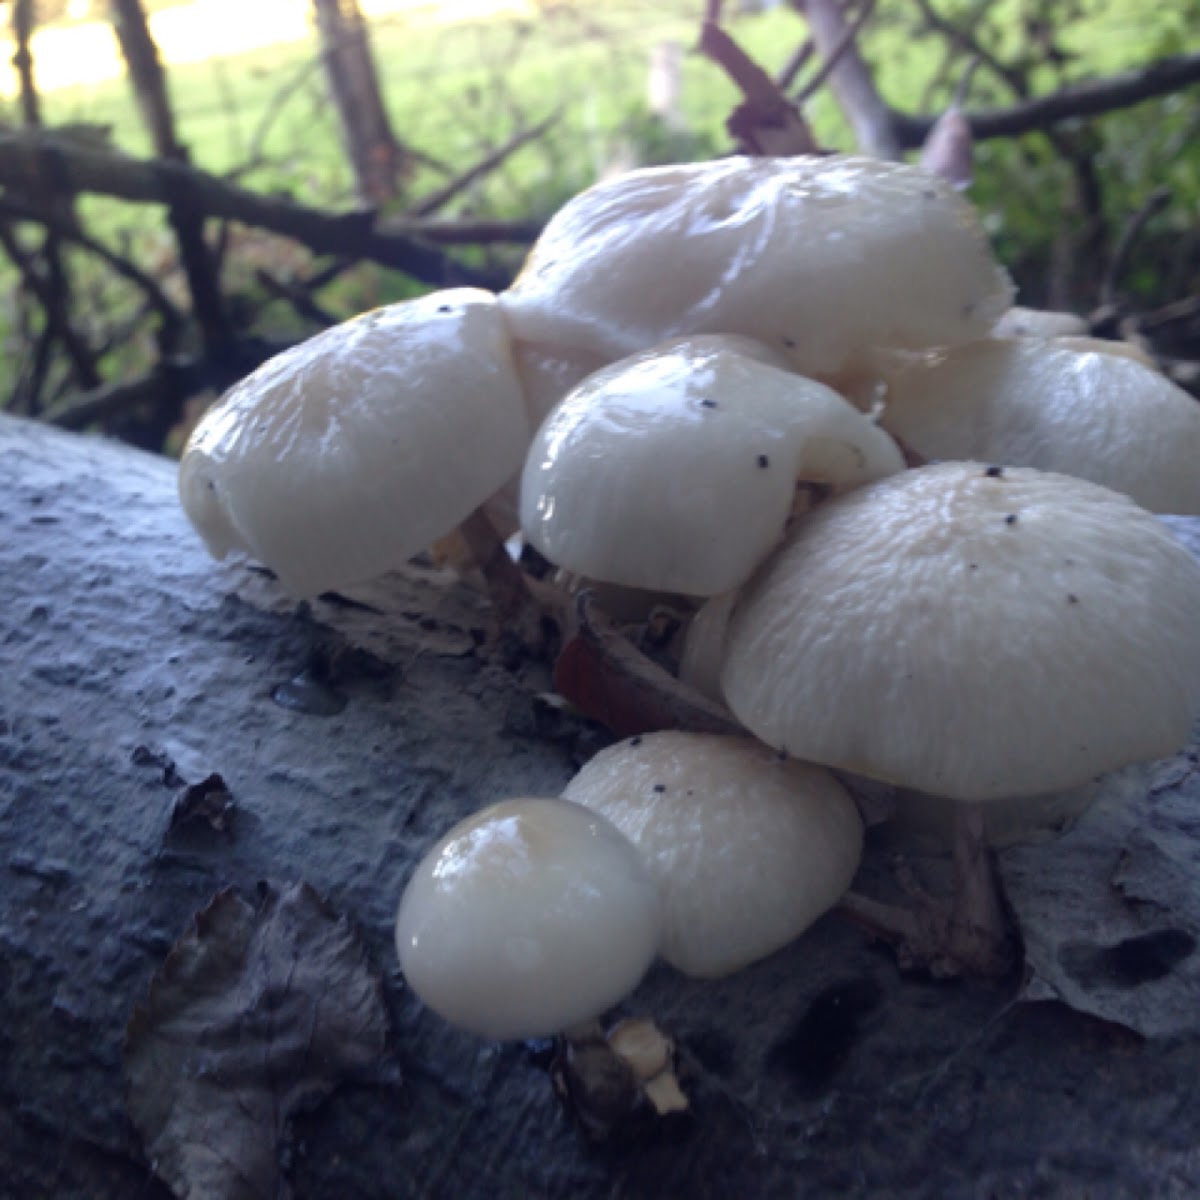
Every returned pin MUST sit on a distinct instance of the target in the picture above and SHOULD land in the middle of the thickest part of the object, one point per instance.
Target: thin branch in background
(23, 18)
(79, 168)
(379, 162)
(49, 294)
(298, 298)
(187, 219)
(171, 319)
(487, 164)
(800, 59)
(850, 79)
(843, 46)
(1134, 227)
(1090, 99)
(766, 122)
(962, 38)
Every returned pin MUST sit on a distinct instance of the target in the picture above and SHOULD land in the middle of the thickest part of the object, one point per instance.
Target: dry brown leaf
(258, 1010)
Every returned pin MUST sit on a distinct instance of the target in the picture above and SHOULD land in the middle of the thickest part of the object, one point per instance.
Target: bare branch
(850, 79)
(169, 381)
(298, 298)
(22, 25)
(965, 41)
(27, 156)
(377, 158)
(841, 47)
(487, 164)
(187, 220)
(794, 65)
(1090, 99)
(766, 122)
(172, 319)
(1151, 207)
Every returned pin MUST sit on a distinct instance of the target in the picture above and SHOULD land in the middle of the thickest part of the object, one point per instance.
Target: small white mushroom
(815, 256)
(971, 631)
(747, 848)
(347, 454)
(527, 918)
(1094, 413)
(676, 469)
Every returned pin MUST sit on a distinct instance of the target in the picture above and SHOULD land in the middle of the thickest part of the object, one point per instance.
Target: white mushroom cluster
(708, 380)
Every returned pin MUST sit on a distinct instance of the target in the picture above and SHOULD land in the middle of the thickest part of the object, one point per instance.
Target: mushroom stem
(971, 935)
(981, 933)
(519, 612)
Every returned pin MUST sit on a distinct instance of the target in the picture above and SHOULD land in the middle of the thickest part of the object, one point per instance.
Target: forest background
(186, 188)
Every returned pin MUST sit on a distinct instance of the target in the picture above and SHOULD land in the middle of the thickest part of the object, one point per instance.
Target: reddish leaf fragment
(610, 681)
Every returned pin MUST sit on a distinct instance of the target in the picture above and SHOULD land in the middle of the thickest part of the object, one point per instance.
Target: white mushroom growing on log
(1091, 412)
(344, 456)
(677, 469)
(974, 632)
(748, 849)
(528, 918)
(818, 257)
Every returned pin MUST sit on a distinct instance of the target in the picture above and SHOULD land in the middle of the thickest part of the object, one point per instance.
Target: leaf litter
(259, 1010)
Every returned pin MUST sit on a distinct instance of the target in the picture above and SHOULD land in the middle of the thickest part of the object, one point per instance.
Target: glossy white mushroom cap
(344, 456)
(748, 849)
(814, 256)
(526, 918)
(1093, 413)
(971, 632)
(676, 469)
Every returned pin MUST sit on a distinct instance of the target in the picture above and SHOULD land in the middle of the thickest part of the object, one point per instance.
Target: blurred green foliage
(1054, 205)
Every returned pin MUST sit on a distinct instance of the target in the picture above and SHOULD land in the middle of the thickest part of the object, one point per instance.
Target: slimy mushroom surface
(342, 457)
(1085, 410)
(747, 848)
(971, 631)
(527, 918)
(816, 256)
(676, 469)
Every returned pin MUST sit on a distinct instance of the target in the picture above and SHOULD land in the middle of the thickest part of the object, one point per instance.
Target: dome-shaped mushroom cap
(818, 256)
(1098, 415)
(971, 632)
(748, 849)
(676, 469)
(526, 918)
(342, 457)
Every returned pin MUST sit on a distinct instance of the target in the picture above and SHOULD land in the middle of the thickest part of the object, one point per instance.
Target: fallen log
(346, 736)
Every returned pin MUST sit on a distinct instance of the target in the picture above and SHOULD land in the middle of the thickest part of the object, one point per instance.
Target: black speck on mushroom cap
(907, 632)
(820, 255)
(747, 850)
(345, 455)
(527, 918)
(634, 479)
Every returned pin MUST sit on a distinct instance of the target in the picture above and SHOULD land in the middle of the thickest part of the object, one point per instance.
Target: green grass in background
(456, 90)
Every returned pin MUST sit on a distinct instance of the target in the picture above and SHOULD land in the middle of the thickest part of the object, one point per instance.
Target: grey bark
(129, 662)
